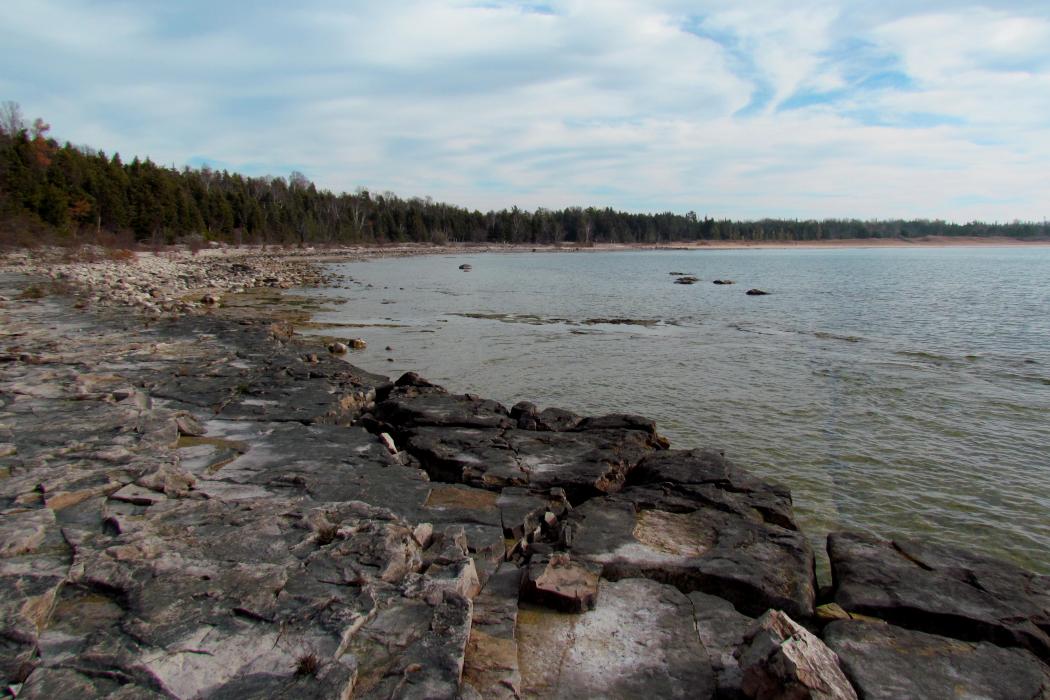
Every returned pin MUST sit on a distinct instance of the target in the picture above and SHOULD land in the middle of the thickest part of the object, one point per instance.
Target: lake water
(898, 391)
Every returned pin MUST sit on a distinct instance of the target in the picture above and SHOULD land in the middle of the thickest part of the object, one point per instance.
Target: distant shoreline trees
(65, 192)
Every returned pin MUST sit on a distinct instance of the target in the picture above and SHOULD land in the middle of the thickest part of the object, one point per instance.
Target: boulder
(686, 279)
(941, 589)
(338, 348)
(756, 293)
(724, 282)
(465, 267)
(886, 662)
(781, 660)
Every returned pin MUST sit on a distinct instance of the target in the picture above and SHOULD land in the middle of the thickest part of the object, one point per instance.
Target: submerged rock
(687, 279)
(756, 293)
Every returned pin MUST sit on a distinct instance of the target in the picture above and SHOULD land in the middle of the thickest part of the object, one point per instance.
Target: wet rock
(885, 661)
(646, 627)
(558, 582)
(407, 409)
(754, 564)
(357, 343)
(707, 476)
(210, 299)
(466, 267)
(338, 348)
(686, 279)
(756, 293)
(941, 589)
(724, 282)
(781, 660)
(528, 417)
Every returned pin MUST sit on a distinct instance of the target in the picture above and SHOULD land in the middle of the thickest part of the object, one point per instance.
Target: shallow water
(899, 391)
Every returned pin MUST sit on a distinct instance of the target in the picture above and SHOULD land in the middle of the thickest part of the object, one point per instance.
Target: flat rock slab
(753, 564)
(639, 642)
(941, 589)
(707, 475)
(886, 662)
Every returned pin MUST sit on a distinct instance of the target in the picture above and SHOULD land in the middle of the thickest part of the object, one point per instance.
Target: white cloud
(627, 104)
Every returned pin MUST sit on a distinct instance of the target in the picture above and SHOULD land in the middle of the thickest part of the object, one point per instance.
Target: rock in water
(338, 348)
(357, 343)
(781, 660)
(756, 293)
(887, 662)
(941, 589)
(724, 282)
(465, 267)
(686, 279)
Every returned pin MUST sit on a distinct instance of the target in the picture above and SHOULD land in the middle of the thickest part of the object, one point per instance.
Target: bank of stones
(202, 507)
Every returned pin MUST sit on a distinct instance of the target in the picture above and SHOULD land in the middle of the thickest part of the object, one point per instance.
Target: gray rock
(886, 661)
(638, 642)
(490, 665)
(722, 631)
(753, 564)
(942, 590)
(781, 660)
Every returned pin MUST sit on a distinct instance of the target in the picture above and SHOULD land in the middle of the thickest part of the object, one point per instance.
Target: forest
(58, 192)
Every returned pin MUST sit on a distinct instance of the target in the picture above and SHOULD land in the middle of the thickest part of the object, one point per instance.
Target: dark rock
(585, 464)
(686, 279)
(721, 630)
(465, 267)
(724, 282)
(753, 564)
(887, 662)
(617, 421)
(558, 582)
(781, 660)
(756, 293)
(410, 410)
(942, 590)
(707, 476)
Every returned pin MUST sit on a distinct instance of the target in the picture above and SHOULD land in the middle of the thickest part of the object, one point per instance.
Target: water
(898, 391)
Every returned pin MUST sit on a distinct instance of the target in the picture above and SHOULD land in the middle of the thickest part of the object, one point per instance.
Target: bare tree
(11, 120)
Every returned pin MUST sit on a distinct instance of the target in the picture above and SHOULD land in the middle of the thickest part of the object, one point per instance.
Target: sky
(800, 109)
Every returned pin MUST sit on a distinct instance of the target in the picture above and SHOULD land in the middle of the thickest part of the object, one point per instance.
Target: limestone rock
(638, 642)
(558, 582)
(781, 660)
(941, 589)
(754, 564)
(887, 662)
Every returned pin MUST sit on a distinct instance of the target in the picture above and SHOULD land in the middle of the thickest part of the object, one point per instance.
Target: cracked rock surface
(209, 507)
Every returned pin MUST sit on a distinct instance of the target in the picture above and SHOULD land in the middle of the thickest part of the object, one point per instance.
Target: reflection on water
(902, 391)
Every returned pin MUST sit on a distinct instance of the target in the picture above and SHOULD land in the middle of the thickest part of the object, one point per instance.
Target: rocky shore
(195, 504)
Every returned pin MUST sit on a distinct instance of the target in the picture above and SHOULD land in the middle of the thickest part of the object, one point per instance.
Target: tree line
(74, 193)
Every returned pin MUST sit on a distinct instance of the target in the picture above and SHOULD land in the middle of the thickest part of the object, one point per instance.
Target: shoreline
(460, 545)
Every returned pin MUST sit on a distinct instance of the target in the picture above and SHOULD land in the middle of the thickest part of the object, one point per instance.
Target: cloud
(810, 108)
